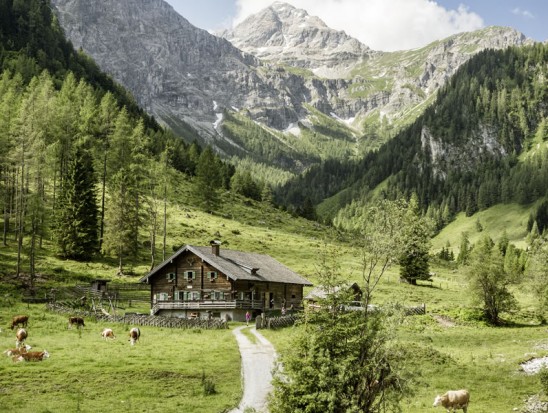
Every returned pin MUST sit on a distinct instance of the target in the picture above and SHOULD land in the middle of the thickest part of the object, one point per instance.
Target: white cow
(107, 333)
(453, 400)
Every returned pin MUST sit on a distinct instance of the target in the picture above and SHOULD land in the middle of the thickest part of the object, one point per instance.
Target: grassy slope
(167, 364)
(85, 373)
(511, 218)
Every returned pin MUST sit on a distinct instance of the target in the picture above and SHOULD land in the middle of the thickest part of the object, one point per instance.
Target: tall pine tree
(77, 226)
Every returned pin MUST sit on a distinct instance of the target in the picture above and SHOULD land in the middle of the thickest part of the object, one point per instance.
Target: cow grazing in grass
(17, 351)
(134, 335)
(19, 319)
(32, 356)
(453, 400)
(78, 321)
(107, 333)
(20, 337)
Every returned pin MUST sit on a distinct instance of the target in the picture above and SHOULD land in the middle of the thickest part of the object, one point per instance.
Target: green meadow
(164, 372)
(450, 347)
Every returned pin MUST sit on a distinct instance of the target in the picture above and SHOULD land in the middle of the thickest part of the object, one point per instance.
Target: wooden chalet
(214, 282)
(320, 293)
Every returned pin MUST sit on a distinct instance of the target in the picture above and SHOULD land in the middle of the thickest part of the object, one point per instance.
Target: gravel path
(257, 363)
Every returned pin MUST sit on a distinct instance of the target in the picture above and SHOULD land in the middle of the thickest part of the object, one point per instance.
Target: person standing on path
(247, 317)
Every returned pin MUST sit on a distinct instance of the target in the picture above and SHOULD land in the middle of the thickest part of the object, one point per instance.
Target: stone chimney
(215, 247)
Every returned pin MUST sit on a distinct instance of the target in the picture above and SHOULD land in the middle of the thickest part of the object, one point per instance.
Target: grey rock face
(178, 72)
(283, 34)
(185, 75)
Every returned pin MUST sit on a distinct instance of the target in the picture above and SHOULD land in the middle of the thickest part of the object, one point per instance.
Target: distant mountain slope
(483, 141)
(184, 76)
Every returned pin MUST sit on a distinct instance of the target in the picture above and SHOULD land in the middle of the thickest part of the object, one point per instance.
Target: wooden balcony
(207, 305)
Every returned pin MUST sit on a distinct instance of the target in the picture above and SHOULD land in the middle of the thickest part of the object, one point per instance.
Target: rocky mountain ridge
(184, 75)
(284, 34)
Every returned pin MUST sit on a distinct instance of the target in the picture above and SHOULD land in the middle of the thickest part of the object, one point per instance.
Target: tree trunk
(165, 224)
(103, 191)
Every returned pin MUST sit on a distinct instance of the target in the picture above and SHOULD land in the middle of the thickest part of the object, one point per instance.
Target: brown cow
(19, 319)
(32, 356)
(20, 337)
(17, 351)
(79, 321)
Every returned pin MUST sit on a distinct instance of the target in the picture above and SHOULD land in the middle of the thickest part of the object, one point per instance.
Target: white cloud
(382, 24)
(523, 13)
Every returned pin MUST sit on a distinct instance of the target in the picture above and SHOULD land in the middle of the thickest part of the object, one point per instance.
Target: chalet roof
(239, 265)
(321, 292)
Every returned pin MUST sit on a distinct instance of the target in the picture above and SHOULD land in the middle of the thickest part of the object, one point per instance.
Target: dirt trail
(257, 363)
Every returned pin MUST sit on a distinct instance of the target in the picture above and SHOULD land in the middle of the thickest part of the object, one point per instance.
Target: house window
(190, 275)
(180, 295)
(217, 295)
(212, 275)
(170, 276)
(160, 297)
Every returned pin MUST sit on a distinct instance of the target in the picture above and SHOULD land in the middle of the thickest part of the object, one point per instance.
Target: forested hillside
(81, 166)
(482, 142)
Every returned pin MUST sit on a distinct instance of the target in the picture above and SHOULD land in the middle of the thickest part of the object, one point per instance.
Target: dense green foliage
(79, 160)
(489, 280)
(415, 244)
(496, 102)
(77, 224)
(341, 361)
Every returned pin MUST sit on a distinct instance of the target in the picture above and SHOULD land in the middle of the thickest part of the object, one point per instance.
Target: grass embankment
(162, 373)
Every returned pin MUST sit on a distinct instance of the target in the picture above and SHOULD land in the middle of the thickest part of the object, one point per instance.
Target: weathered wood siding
(202, 282)
(272, 295)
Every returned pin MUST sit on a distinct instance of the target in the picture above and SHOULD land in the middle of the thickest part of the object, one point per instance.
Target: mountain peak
(285, 34)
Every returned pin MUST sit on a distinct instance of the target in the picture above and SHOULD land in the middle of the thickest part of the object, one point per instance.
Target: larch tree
(122, 214)
(10, 97)
(380, 240)
(107, 115)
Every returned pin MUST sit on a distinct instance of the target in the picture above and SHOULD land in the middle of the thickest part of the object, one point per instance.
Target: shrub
(208, 385)
(543, 378)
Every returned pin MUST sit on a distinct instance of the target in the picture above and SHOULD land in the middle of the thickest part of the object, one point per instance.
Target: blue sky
(386, 24)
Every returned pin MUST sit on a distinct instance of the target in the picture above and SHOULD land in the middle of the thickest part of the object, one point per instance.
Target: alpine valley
(409, 189)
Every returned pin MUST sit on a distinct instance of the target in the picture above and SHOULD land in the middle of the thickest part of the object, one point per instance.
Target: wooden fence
(265, 322)
(142, 319)
(275, 322)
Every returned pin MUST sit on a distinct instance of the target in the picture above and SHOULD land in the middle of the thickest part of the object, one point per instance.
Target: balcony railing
(207, 305)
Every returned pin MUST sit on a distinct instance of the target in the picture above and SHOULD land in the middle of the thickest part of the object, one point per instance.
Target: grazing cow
(107, 333)
(17, 351)
(20, 337)
(134, 335)
(79, 321)
(19, 319)
(454, 400)
(32, 356)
